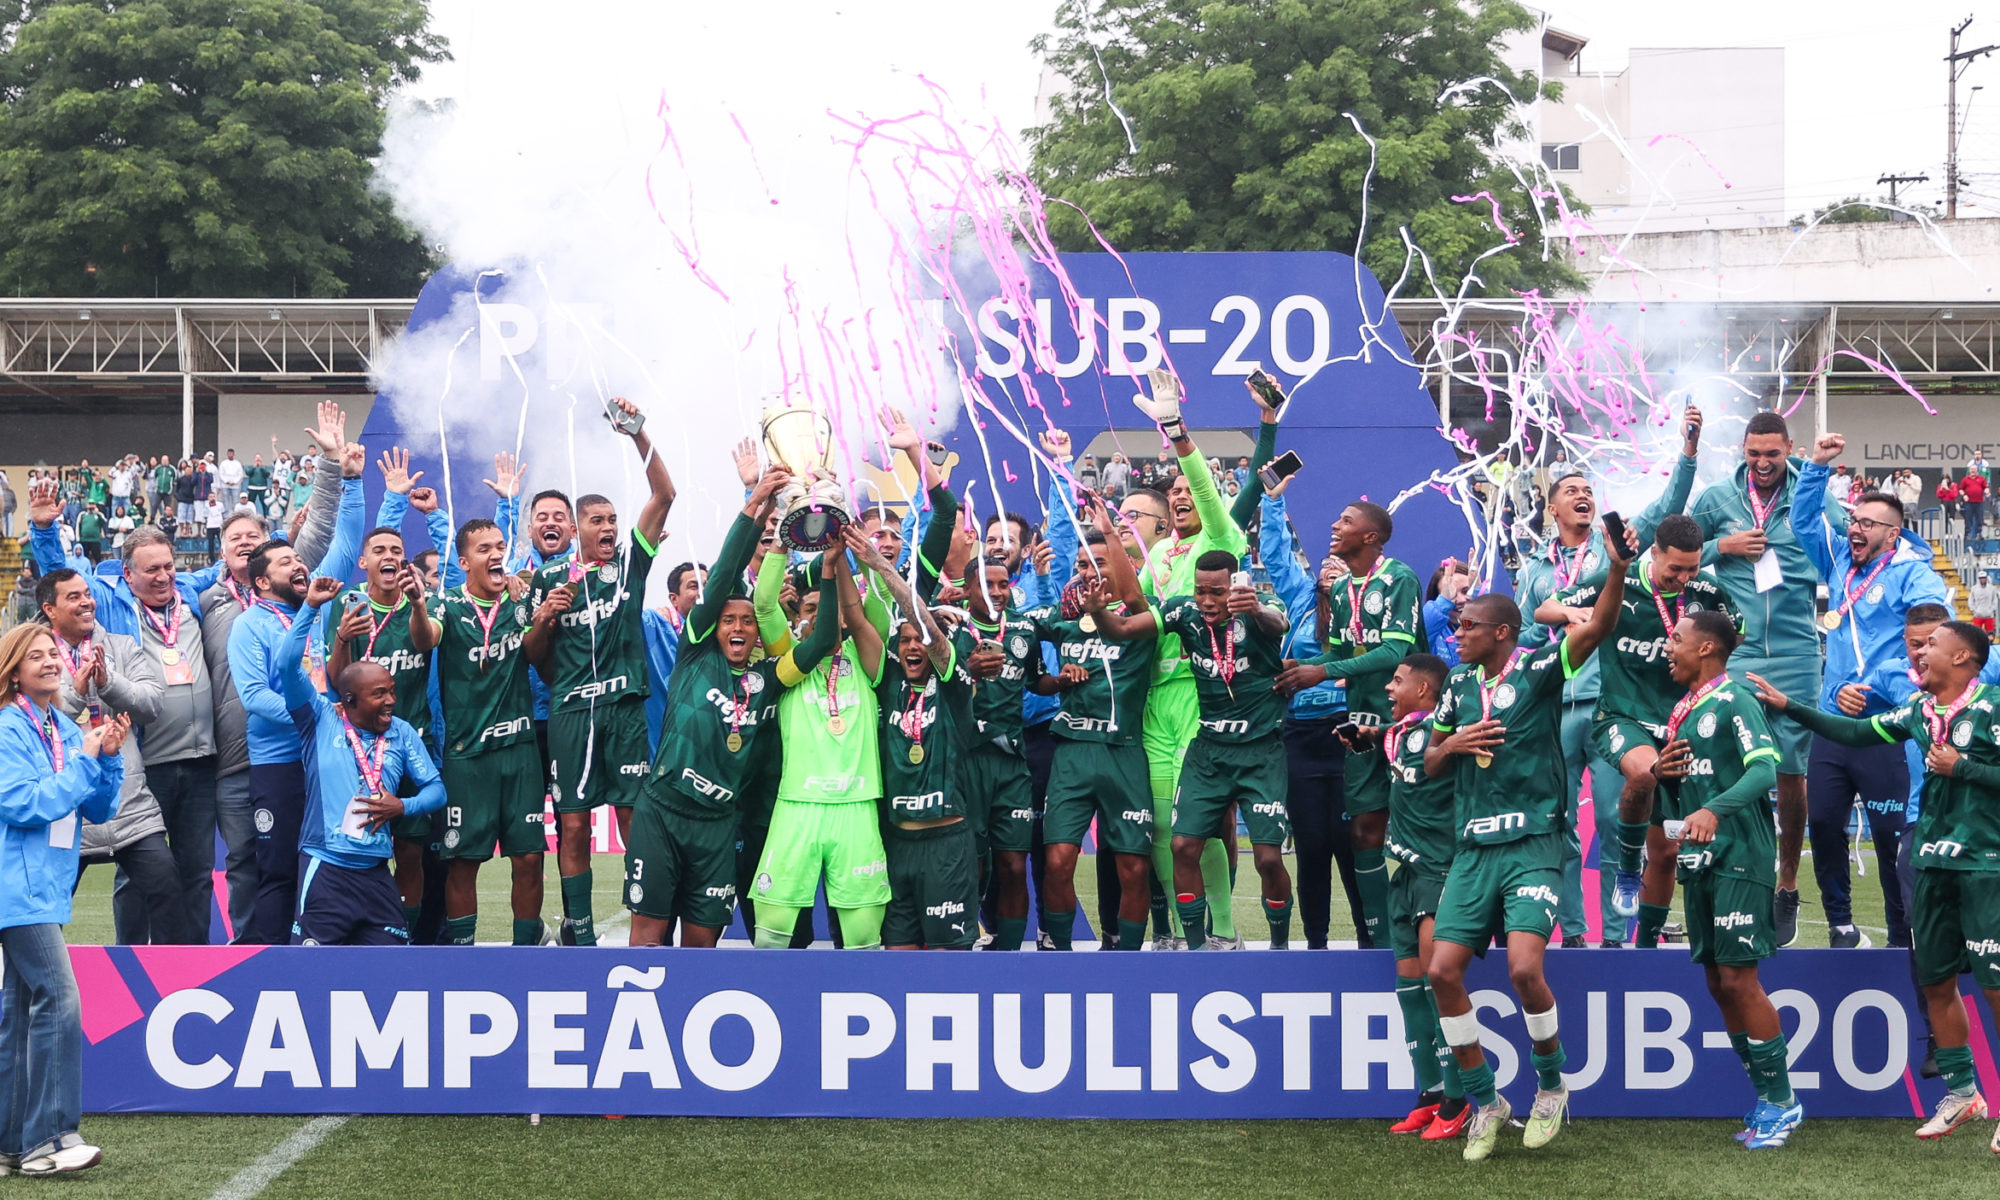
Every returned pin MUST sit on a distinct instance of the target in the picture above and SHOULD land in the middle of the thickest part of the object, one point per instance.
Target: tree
(1237, 108)
(1853, 210)
(203, 147)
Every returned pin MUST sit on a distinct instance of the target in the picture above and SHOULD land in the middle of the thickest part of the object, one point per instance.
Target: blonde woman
(51, 774)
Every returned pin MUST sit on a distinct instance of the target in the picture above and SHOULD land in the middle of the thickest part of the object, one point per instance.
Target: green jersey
(829, 724)
(1422, 819)
(1235, 663)
(1636, 680)
(389, 644)
(1728, 734)
(926, 730)
(996, 702)
(1110, 705)
(1958, 827)
(483, 674)
(1384, 609)
(598, 652)
(709, 739)
(1524, 789)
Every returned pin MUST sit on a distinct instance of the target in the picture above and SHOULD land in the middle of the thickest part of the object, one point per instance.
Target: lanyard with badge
(174, 662)
(355, 823)
(912, 721)
(78, 660)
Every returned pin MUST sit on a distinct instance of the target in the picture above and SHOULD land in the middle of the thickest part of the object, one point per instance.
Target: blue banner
(822, 1033)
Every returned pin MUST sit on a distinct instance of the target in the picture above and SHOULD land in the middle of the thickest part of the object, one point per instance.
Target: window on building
(1560, 158)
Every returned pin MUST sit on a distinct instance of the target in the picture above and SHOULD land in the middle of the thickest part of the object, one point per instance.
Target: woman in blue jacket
(53, 776)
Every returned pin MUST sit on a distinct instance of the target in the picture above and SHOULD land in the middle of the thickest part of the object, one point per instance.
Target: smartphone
(1280, 468)
(1614, 533)
(1240, 579)
(1267, 387)
(936, 452)
(626, 423)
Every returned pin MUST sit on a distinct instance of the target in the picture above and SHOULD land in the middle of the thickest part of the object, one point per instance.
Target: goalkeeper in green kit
(1200, 523)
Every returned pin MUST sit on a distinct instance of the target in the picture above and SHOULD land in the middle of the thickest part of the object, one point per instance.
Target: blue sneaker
(1774, 1125)
(1750, 1120)
(1625, 894)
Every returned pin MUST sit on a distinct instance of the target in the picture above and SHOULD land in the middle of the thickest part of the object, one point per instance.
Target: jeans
(278, 799)
(229, 495)
(1970, 508)
(41, 1042)
(239, 839)
(1322, 832)
(1880, 777)
(1579, 753)
(185, 789)
(147, 904)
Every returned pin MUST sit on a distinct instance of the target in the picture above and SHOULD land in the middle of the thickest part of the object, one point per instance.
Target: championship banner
(819, 1033)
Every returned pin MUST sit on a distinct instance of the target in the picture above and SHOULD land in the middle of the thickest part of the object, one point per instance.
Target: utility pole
(1893, 180)
(1955, 65)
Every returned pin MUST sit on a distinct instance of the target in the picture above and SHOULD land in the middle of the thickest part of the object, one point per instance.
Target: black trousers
(1322, 833)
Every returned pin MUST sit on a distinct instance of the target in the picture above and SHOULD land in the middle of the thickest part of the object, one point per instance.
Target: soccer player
(825, 820)
(1005, 665)
(1197, 521)
(1375, 618)
(492, 773)
(594, 660)
(360, 761)
(1874, 573)
(1421, 837)
(1572, 554)
(1637, 693)
(1750, 547)
(1957, 726)
(1100, 766)
(1716, 772)
(680, 858)
(1236, 758)
(926, 730)
(387, 622)
(1497, 734)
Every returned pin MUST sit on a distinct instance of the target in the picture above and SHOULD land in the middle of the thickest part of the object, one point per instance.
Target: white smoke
(679, 206)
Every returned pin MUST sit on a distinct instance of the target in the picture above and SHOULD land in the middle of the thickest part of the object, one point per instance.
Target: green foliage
(203, 147)
(1237, 108)
(1853, 210)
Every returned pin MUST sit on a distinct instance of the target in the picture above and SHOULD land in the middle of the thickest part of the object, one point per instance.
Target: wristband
(1174, 428)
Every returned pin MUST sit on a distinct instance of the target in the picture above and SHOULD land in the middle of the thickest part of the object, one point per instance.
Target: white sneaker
(1165, 942)
(985, 942)
(1484, 1128)
(1546, 1117)
(69, 1158)
(1234, 943)
(1044, 942)
(1952, 1111)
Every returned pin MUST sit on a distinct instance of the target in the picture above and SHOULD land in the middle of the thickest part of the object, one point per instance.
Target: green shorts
(599, 756)
(412, 829)
(1413, 897)
(677, 865)
(1794, 675)
(1729, 919)
(1955, 926)
(844, 840)
(1250, 775)
(493, 797)
(1366, 782)
(934, 887)
(998, 788)
(1508, 888)
(1093, 779)
(1614, 737)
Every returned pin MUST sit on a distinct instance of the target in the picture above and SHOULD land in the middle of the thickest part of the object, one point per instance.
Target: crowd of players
(897, 721)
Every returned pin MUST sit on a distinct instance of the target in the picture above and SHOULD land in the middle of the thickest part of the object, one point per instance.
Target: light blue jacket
(333, 778)
(1872, 631)
(40, 807)
(1300, 592)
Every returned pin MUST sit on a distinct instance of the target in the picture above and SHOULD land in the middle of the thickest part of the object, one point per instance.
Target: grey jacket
(219, 611)
(135, 687)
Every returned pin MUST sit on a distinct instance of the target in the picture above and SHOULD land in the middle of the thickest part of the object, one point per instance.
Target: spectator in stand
(75, 490)
(1979, 466)
(1444, 600)
(121, 525)
(90, 533)
(257, 485)
(1908, 488)
(121, 485)
(1117, 478)
(1972, 499)
(8, 503)
(160, 493)
(1242, 473)
(229, 480)
(214, 518)
(1984, 600)
(184, 497)
(1087, 473)
(1947, 494)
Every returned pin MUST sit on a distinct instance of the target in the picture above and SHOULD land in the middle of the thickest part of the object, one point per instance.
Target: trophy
(813, 508)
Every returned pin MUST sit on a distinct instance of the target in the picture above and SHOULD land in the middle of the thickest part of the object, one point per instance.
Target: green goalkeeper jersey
(1524, 788)
(1234, 662)
(598, 653)
(829, 724)
(1636, 681)
(1110, 705)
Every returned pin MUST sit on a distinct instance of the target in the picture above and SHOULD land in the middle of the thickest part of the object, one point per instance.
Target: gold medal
(735, 742)
(1484, 760)
(1831, 621)
(170, 655)
(1088, 624)
(836, 724)
(916, 755)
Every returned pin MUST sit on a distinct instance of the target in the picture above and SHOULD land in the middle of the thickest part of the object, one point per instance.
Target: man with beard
(1874, 575)
(1751, 549)
(278, 579)
(594, 661)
